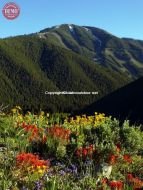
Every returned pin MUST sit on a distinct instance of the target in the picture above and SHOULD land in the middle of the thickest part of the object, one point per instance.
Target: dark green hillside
(124, 103)
(30, 65)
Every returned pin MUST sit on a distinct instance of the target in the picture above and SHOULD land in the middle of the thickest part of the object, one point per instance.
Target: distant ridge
(124, 103)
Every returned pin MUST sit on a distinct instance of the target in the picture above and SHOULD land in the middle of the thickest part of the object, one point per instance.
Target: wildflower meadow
(58, 152)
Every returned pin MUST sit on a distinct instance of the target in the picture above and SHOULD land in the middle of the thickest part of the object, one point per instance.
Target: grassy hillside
(30, 66)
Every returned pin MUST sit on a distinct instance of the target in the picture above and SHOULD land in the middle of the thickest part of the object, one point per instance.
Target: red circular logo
(11, 11)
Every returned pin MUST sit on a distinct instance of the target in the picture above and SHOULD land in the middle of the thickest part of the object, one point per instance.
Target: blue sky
(122, 18)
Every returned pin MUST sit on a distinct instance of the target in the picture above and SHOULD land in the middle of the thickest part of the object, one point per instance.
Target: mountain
(65, 58)
(124, 103)
(119, 54)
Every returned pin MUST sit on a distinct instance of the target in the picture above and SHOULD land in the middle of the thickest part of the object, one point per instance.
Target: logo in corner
(11, 11)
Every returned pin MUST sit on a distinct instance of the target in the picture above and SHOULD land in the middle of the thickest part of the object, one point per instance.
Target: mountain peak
(99, 46)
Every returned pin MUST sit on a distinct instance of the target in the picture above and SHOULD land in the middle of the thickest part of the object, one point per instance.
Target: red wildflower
(135, 181)
(28, 159)
(59, 132)
(118, 185)
(104, 181)
(112, 159)
(35, 133)
(129, 177)
(85, 151)
(127, 158)
(90, 149)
